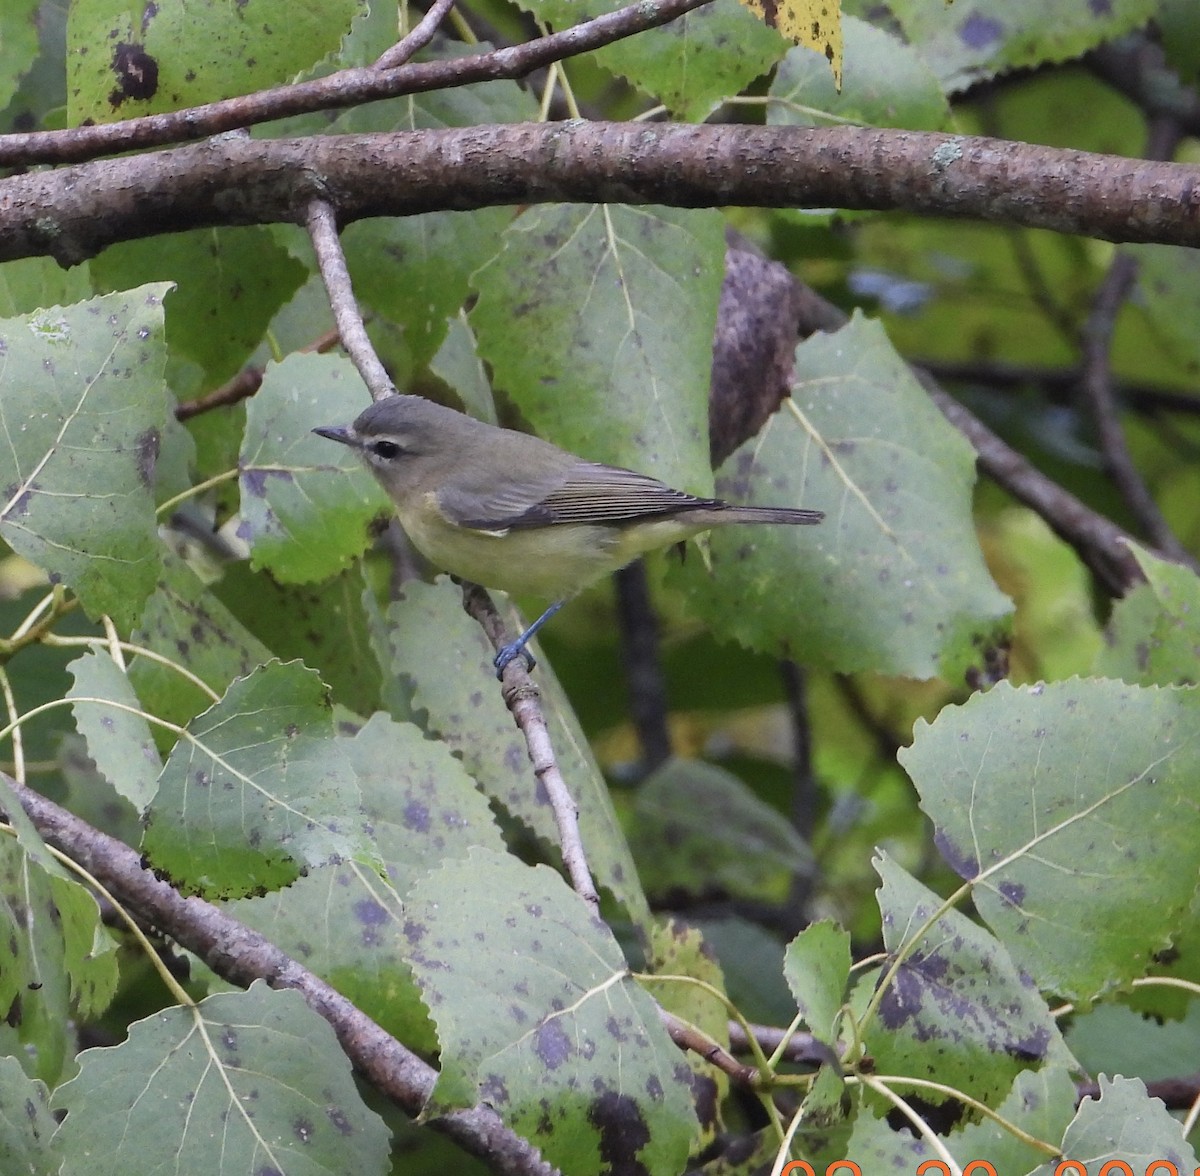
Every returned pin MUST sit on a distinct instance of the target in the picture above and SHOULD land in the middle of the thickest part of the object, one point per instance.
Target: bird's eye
(385, 449)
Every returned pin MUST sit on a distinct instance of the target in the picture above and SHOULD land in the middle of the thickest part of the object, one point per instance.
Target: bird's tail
(771, 514)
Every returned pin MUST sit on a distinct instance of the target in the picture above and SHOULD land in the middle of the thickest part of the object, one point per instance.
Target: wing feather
(584, 492)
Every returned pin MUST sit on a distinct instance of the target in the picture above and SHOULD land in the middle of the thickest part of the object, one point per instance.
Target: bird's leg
(518, 647)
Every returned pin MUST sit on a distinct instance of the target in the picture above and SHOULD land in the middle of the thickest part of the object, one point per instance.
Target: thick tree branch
(74, 212)
(241, 956)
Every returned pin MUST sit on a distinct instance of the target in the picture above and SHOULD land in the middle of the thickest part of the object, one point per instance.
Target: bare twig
(1100, 398)
(643, 666)
(804, 786)
(522, 696)
(323, 230)
(688, 1037)
(350, 87)
(1055, 381)
(240, 955)
(1097, 381)
(417, 37)
(245, 383)
(801, 1047)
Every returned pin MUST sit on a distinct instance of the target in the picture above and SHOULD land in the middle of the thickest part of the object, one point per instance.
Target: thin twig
(804, 786)
(1097, 377)
(323, 230)
(688, 1037)
(246, 382)
(801, 1047)
(522, 697)
(240, 955)
(1099, 396)
(351, 87)
(417, 37)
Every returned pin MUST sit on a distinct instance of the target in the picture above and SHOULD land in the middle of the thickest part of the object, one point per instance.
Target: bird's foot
(514, 649)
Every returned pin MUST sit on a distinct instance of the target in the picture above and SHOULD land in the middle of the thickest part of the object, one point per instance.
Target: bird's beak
(337, 433)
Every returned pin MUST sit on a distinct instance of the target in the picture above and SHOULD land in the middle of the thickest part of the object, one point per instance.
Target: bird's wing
(584, 492)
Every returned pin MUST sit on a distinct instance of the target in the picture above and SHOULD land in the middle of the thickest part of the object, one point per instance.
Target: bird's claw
(508, 652)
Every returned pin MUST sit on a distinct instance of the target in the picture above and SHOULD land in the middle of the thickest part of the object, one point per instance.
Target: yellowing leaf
(816, 24)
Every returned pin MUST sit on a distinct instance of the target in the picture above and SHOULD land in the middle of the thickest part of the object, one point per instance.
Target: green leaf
(306, 502)
(817, 969)
(185, 622)
(826, 1122)
(26, 1123)
(1115, 1039)
(1154, 630)
(230, 283)
(697, 828)
(978, 40)
(243, 1082)
(323, 625)
(615, 358)
(957, 1007)
(687, 64)
(30, 283)
(436, 252)
(457, 364)
(118, 740)
(257, 790)
(1068, 806)
(893, 580)
(875, 1146)
(126, 59)
(885, 84)
(1168, 285)
(18, 44)
(82, 408)
(444, 654)
(538, 1016)
(1041, 1104)
(346, 923)
(1123, 1125)
(416, 270)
